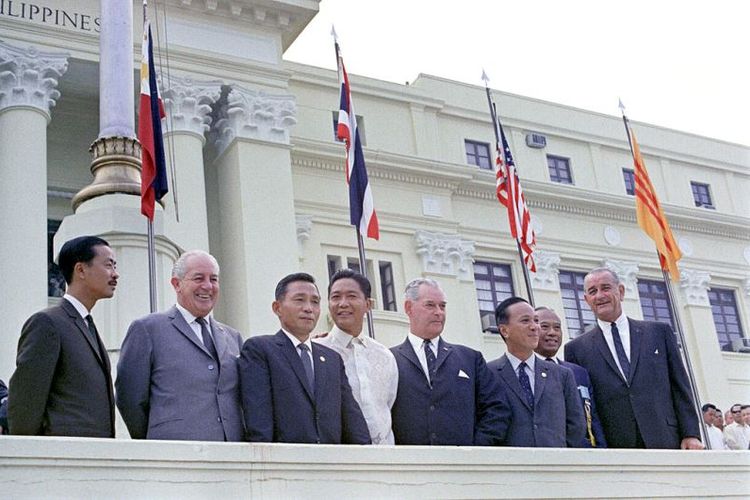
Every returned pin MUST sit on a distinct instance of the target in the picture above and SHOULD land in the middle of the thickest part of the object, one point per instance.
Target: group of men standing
(183, 375)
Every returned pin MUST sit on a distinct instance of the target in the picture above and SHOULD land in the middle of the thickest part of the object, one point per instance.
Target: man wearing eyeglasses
(737, 434)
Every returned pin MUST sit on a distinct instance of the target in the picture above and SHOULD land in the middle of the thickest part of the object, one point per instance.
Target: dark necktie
(523, 379)
(95, 336)
(624, 363)
(208, 342)
(431, 359)
(304, 355)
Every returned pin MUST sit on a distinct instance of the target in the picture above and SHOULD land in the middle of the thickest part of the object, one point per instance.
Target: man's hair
(291, 278)
(598, 270)
(744, 407)
(731, 408)
(364, 283)
(179, 269)
(543, 308)
(79, 249)
(708, 406)
(501, 311)
(411, 292)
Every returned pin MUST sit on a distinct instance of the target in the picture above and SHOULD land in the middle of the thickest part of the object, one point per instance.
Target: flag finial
(621, 106)
(333, 34)
(485, 78)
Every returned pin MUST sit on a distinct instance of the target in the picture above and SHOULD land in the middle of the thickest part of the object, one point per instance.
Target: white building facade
(261, 185)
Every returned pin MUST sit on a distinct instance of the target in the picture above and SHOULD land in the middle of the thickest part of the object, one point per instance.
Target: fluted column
(28, 81)
(188, 104)
(257, 229)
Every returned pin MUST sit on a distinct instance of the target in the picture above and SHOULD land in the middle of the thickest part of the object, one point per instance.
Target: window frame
(493, 280)
(730, 337)
(584, 316)
(560, 164)
(475, 154)
(628, 178)
(702, 190)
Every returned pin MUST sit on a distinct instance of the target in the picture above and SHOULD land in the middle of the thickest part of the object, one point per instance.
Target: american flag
(361, 205)
(510, 194)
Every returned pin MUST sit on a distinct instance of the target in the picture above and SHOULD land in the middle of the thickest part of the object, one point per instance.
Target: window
(383, 285)
(726, 317)
(55, 279)
(628, 175)
(360, 127)
(386, 286)
(655, 302)
(559, 169)
(578, 316)
(701, 195)
(478, 153)
(494, 284)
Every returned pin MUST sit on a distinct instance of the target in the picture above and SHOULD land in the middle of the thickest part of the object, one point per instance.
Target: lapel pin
(656, 351)
(322, 359)
(544, 374)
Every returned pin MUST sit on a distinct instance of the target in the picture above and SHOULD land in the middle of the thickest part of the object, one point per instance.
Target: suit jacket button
(210, 367)
(432, 407)
(218, 419)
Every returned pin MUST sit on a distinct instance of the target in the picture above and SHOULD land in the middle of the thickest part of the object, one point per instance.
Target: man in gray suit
(547, 410)
(62, 384)
(177, 376)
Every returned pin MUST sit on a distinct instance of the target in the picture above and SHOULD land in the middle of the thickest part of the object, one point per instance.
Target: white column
(188, 104)
(116, 96)
(546, 285)
(449, 259)
(28, 81)
(258, 230)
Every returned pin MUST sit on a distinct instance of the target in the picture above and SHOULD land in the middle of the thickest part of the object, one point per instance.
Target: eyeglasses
(738, 411)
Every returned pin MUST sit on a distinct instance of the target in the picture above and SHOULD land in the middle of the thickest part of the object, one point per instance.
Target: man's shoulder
(497, 362)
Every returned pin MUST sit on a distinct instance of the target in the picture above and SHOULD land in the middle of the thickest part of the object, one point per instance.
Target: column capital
(188, 105)
(251, 114)
(695, 285)
(29, 77)
(746, 286)
(304, 228)
(628, 274)
(547, 270)
(445, 254)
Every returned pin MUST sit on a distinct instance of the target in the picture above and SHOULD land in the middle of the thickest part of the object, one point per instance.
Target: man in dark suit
(3, 408)
(177, 377)
(294, 390)
(62, 384)
(550, 341)
(446, 395)
(547, 411)
(639, 380)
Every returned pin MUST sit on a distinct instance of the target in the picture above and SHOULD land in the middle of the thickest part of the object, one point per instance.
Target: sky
(683, 65)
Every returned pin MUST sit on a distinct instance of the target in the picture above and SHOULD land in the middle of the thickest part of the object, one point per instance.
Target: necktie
(431, 360)
(304, 355)
(523, 379)
(208, 342)
(95, 336)
(624, 363)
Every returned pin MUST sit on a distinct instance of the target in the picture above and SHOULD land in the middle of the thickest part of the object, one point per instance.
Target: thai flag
(361, 205)
(153, 166)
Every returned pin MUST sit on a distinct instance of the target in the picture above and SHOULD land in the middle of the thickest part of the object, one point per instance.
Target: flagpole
(496, 127)
(150, 235)
(360, 241)
(677, 322)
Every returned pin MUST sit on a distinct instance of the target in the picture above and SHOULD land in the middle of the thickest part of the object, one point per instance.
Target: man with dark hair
(370, 366)
(547, 411)
(635, 366)
(550, 341)
(446, 395)
(737, 434)
(715, 437)
(62, 384)
(3, 408)
(293, 390)
(177, 377)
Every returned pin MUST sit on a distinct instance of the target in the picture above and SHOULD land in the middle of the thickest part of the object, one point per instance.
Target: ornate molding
(304, 228)
(255, 115)
(746, 286)
(29, 77)
(445, 254)
(695, 285)
(188, 104)
(628, 273)
(547, 271)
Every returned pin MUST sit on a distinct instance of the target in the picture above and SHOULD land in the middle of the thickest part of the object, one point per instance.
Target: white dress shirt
(79, 307)
(737, 436)
(296, 342)
(623, 327)
(373, 377)
(194, 325)
(530, 366)
(716, 438)
(417, 343)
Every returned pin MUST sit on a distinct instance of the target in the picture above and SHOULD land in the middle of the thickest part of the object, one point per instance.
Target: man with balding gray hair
(446, 395)
(177, 377)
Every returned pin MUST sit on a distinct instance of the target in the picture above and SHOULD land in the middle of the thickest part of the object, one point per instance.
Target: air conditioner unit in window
(536, 141)
(741, 345)
(488, 324)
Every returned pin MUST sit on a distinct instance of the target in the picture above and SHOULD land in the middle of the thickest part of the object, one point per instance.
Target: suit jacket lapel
(541, 369)
(444, 350)
(290, 353)
(603, 348)
(320, 364)
(636, 336)
(220, 341)
(408, 352)
(178, 321)
(509, 375)
(83, 328)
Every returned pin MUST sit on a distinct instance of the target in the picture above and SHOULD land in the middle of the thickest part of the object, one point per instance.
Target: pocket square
(656, 351)
(462, 374)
